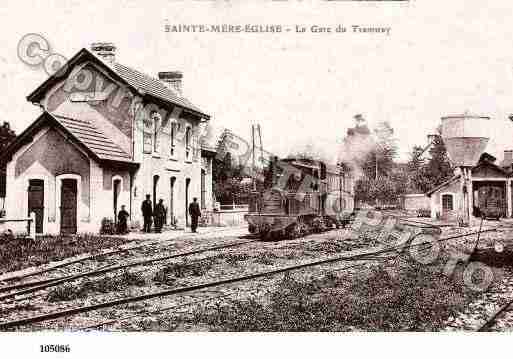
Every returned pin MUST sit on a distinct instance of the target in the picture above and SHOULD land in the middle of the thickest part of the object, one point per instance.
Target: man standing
(147, 212)
(123, 220)
(194, 212)
(159, 215)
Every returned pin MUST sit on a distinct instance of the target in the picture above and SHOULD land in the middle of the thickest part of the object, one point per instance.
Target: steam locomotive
(301, 196)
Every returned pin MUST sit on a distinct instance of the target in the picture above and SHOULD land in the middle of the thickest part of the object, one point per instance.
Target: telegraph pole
(253, 156)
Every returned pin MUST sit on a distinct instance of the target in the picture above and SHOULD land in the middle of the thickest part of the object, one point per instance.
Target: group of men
(159, 214)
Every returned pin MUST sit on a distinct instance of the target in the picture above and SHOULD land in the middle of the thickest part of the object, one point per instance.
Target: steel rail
(107, 252)
(37, 286)
(490, 321)
(176, 306)
(126, 300)
(424, 223)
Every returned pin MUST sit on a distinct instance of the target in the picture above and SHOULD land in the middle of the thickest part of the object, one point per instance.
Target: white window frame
(188, 139)
(156, 119)
(442, 203)
(173, 129)
(120, 179)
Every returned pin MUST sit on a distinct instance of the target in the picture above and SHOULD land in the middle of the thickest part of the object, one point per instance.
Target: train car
(489, 200)
(302, 196)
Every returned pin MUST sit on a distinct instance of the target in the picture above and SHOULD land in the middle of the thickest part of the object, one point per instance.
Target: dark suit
(147, 212)
(159, 216)
(122, 222)
(194, 212)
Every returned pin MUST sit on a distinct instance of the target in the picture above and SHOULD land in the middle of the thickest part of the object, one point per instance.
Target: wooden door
(69, 206)
(36, 200)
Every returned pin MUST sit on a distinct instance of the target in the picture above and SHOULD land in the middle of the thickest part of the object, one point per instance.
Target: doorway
(36, 200)
(69, 206)
(116, 188)
(172, 200)
(155, 185)
(203, 190)
(187, 183)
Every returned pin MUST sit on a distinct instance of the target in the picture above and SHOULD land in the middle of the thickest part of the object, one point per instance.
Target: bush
(169, 273)
(108, 226)
(414, 298)
(103, 285)
(21, 253)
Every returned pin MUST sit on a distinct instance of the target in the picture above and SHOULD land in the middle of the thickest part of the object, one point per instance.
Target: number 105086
(61, 348)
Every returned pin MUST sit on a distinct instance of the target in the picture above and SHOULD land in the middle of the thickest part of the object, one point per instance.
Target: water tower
(465, 137)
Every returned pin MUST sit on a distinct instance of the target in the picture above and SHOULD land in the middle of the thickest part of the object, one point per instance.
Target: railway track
(45, 284)
(206, 285)
(489, 323)
(103, 255)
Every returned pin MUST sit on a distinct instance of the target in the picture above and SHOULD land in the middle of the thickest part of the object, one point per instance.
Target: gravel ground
(495, 252)
(251, 258)
(233, 262)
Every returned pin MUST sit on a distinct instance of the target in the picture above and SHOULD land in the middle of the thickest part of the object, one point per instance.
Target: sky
(440, 58)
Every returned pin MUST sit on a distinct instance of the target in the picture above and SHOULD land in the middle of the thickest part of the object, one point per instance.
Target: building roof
(138, 81)
(152, 86)
(82, 133)
(449, 181)
(90, 136)
(208, 151)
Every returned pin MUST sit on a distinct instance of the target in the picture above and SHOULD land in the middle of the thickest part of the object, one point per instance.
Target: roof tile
(152, 86)
(91, 137)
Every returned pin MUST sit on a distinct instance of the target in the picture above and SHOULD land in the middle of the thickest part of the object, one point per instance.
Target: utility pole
(253, 156)
(376, 176)
(261, 144)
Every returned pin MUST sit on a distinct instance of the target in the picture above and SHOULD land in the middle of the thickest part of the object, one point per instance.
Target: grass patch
(197, 268)
(22, 253)
(5, 310)
(331, 246)
(414, 298)
(70, 291)
(234, 259)
(266, 258)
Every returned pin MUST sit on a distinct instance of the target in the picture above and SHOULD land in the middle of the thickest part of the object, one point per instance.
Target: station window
(447, 202)
(187, 143)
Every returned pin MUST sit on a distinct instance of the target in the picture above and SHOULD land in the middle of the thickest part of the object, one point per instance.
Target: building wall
(129, 129)
(206, 165)
(111, 115)
(49, 157)
(102, 193)
(414, 202)
(454, 188)
(159, 161)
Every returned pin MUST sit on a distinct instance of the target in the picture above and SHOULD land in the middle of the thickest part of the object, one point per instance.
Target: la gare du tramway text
(249, 28)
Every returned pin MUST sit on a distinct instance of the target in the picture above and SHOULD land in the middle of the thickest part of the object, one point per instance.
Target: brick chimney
(508, 157)
(173, 79)
(105, 51)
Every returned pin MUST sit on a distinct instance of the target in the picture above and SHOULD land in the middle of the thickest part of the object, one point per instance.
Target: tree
(381, 182)
(7, 135)
(418, 179)
(380, 160)
(425, 175)
(384, 190)
(438, 167)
